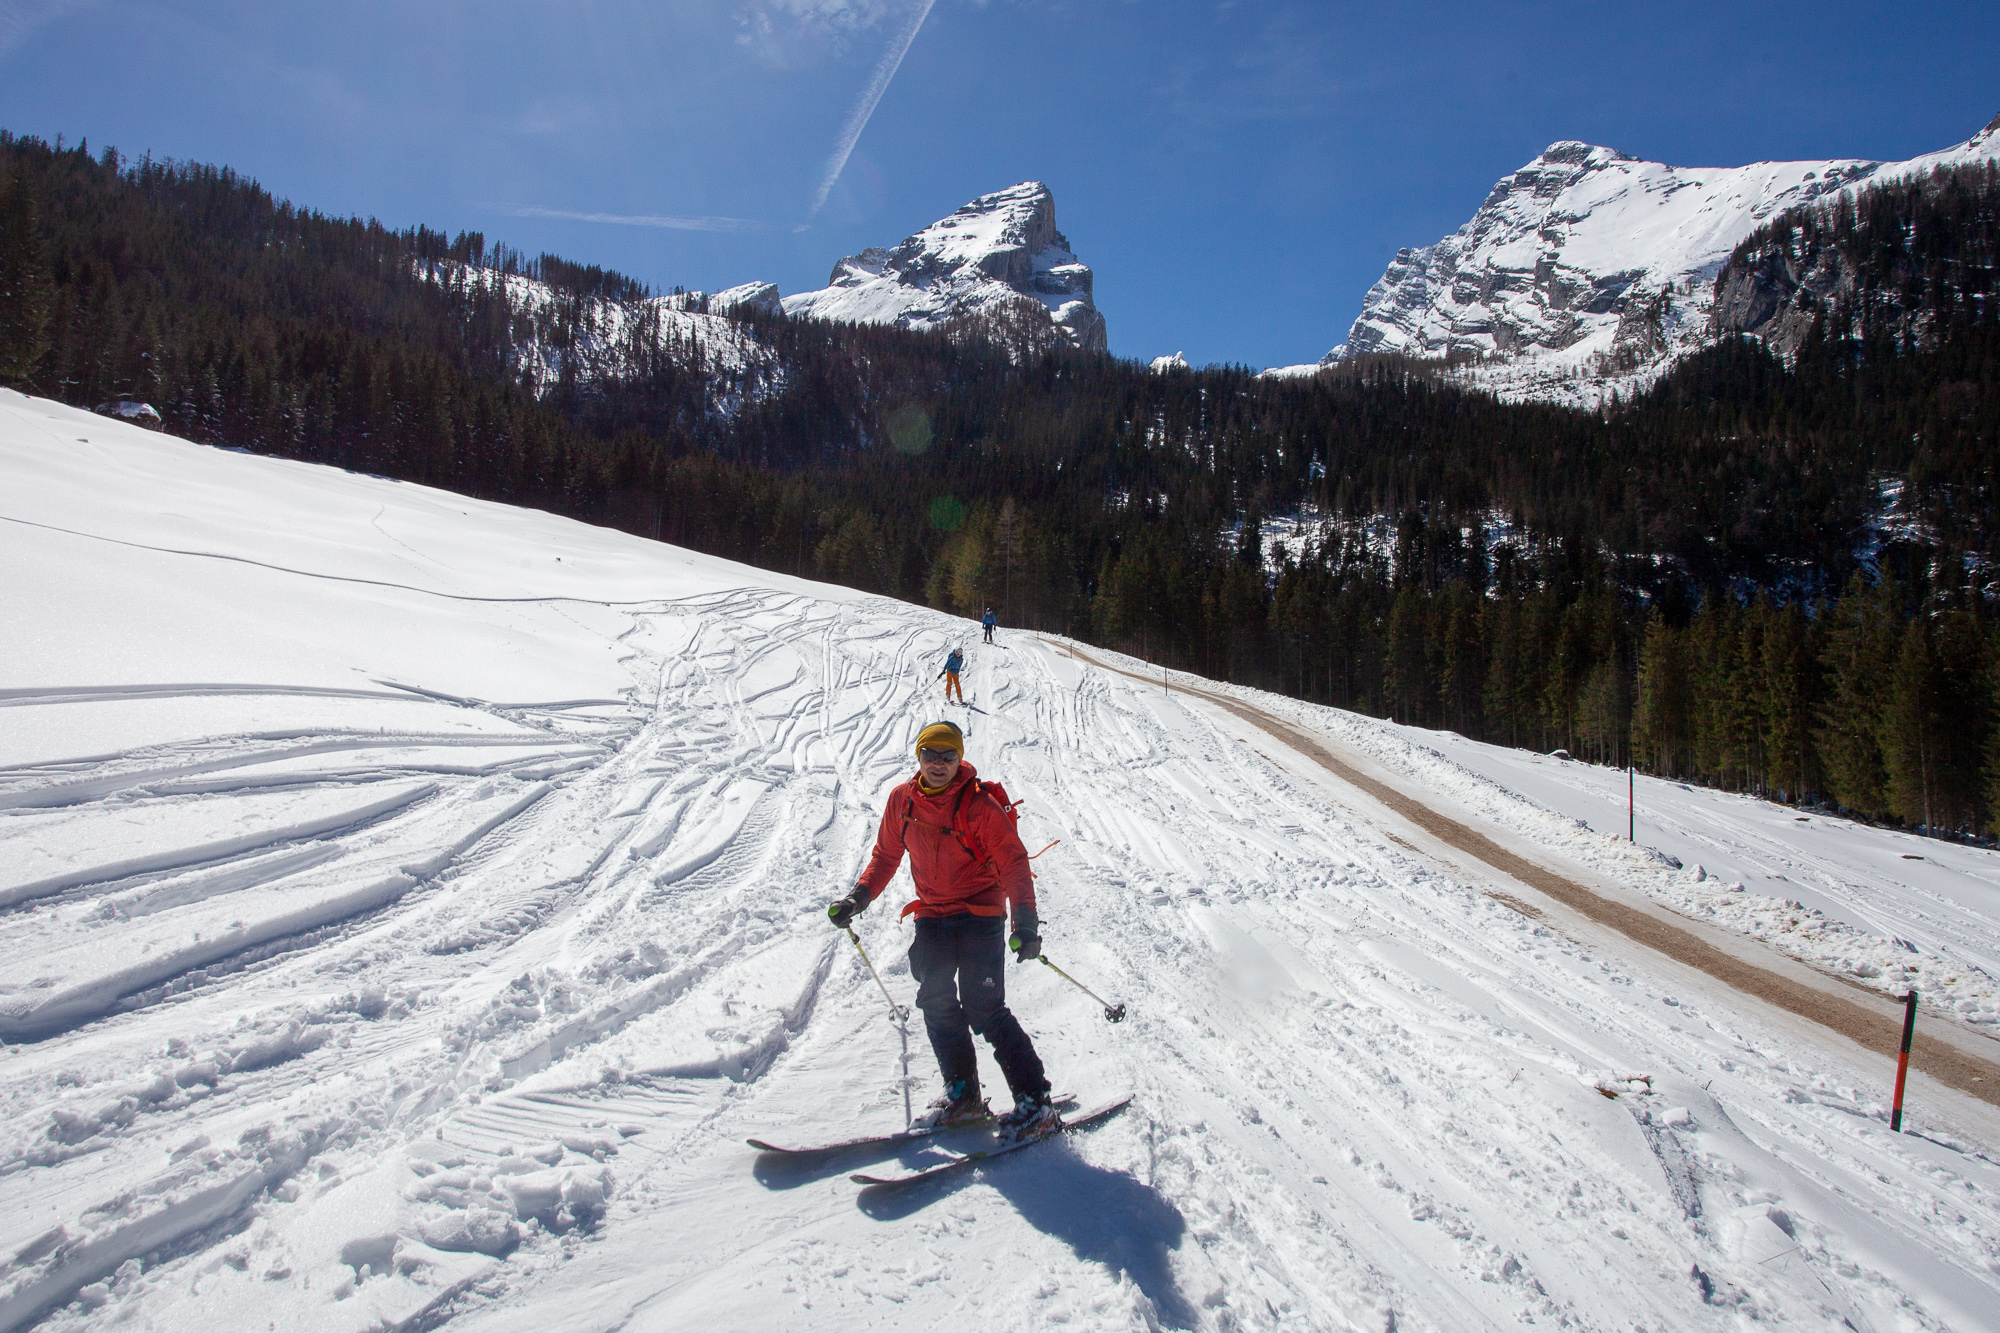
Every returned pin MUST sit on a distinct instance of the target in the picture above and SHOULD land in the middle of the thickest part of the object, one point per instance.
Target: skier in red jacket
(969, 866)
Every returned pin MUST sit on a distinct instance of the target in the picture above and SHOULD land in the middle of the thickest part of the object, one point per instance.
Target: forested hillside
(1761, 575)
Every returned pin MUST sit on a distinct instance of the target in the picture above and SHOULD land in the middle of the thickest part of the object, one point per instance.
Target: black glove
(1027, 940)
(844, 911)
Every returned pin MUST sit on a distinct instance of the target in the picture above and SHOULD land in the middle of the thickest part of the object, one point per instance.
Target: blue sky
(1237, 175)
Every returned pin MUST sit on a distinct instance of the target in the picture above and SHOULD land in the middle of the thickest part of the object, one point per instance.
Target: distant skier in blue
(989, 620)
(952, 666)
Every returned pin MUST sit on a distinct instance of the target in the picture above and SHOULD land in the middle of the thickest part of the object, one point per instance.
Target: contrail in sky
(646, 220)
(857, 121)
(19, 21)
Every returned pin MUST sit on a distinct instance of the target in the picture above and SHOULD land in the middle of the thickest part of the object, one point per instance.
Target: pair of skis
(1060, 1100)
(1063, 1125)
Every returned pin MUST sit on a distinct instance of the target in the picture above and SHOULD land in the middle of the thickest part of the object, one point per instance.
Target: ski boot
(960, 1105)
(1033, 1115)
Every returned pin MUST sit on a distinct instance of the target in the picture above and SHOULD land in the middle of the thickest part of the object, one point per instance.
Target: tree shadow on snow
(1105, 1217)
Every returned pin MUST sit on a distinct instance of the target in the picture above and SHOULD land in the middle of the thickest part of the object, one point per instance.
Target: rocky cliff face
(1586, 261)
(759, 298)
(1589, 272)
(999, 257)
(1875, 262)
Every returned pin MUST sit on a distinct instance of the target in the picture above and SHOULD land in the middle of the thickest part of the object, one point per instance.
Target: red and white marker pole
(1903, 1061)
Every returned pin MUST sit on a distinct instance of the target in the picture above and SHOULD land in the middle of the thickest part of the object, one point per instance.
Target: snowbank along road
(409, 906)
(1963, 1059)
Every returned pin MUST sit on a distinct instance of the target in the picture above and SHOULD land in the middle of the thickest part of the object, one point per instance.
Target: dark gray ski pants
(959, 963)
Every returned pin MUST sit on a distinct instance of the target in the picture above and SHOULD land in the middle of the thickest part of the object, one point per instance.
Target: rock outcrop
(998, 257)
(759, 298)
(1791, 275)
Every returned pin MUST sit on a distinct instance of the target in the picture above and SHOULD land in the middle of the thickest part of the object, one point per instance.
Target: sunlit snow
(412, 904)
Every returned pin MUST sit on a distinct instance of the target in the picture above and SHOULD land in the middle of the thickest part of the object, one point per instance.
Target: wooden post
(1631, 807)
(1903, 1060)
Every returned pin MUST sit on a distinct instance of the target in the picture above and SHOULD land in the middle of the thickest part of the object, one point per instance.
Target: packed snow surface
(412, 905)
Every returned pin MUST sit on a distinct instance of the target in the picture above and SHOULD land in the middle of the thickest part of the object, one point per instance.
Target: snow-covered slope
(592, 340)
(411, 905)
(1886, 909)
(998, 256)
(1588, 271)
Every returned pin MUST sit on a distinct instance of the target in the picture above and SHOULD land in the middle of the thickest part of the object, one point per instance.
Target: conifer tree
(1912, 729)
(1664, 723)
(1860, 657)
(1789, 686)
(24, 284)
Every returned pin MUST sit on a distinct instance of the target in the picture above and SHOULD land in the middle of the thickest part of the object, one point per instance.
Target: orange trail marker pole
(1903, 1060)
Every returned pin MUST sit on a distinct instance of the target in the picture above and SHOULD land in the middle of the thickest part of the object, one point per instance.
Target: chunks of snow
(473, 1231)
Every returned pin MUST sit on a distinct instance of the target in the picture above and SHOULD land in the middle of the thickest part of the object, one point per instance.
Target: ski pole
(1113, 1013)
(898, 1015)
(898, 1011)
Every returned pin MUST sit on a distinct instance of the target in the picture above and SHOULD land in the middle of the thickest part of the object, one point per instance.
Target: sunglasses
(930, 756)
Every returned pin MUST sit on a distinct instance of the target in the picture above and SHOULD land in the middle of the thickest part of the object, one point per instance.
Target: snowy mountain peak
(1590, 270)
(999, 253)
(1576, 152)
(1585, 254)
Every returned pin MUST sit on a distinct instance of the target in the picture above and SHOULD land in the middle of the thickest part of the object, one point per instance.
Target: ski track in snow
(342, 999)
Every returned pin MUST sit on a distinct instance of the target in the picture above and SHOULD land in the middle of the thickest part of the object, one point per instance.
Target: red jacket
(965, 854)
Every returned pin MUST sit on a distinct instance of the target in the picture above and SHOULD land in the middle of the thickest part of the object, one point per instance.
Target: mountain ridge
(1590, 271)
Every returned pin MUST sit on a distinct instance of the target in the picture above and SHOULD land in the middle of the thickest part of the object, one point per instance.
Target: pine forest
(1770, 573)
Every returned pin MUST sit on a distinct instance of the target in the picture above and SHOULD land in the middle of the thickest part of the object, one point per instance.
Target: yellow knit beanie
(942, 736)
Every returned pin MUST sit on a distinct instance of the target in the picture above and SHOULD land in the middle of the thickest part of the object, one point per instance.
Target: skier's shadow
(1105, 1217)
(788, 1171)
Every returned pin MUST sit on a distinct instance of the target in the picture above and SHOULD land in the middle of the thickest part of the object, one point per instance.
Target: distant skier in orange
(952, 666)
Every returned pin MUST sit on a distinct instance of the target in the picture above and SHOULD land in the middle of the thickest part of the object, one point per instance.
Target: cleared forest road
(1874, 1031)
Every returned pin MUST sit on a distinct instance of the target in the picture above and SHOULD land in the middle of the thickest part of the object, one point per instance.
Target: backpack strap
(957, 817)
(975, 787)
